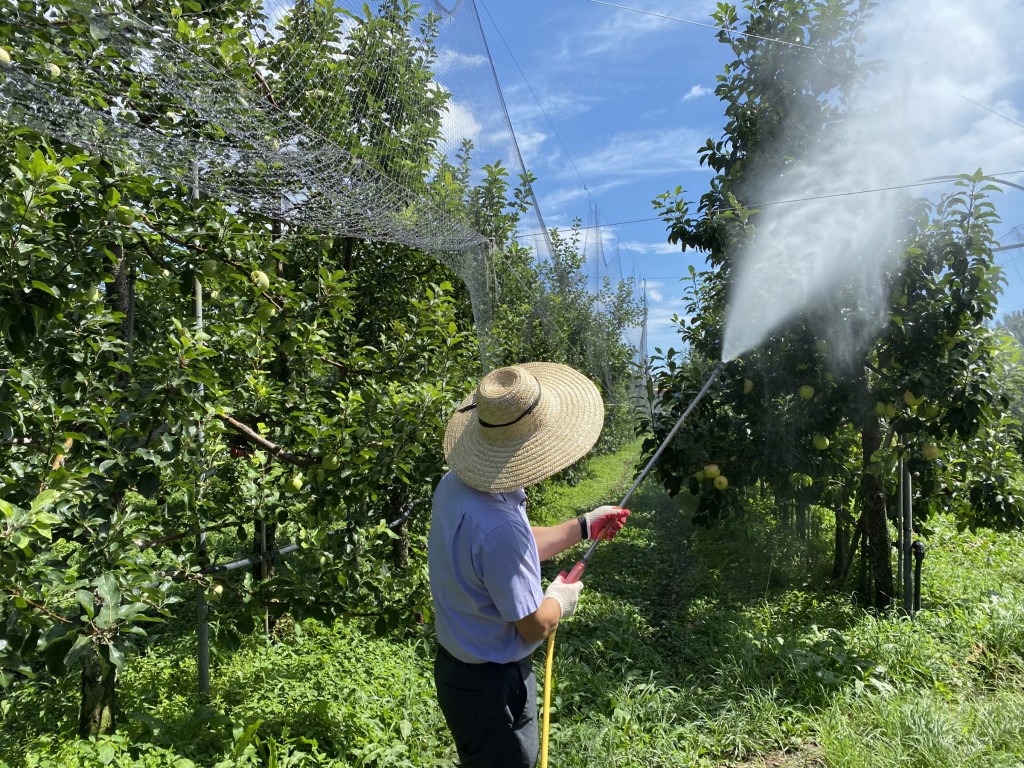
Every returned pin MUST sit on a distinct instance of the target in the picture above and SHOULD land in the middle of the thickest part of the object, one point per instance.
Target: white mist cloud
(915, 119)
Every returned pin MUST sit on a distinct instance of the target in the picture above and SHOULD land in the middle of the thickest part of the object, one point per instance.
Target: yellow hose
(546, 721)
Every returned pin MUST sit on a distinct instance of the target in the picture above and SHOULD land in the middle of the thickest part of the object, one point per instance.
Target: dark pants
(491, 710)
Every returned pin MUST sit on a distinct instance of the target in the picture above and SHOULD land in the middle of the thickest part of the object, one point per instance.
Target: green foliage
(692, 646)
(311, 398)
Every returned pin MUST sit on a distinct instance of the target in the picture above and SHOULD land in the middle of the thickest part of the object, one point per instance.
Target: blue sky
(626, 98)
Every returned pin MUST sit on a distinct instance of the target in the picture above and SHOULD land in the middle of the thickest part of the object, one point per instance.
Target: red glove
(603, 523)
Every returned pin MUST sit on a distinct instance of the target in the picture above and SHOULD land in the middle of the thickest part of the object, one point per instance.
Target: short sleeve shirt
(484, 572)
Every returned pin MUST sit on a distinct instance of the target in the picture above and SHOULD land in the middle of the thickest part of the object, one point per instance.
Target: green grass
(691, 647)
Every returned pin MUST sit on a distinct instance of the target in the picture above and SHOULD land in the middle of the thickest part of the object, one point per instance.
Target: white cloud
(620, 31)
(697, 91)
(644, 153)
(458, 122)
(647, 249)
(559, 197)
(450, 60)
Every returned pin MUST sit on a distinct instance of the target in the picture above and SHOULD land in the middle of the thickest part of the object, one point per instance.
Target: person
(523, 424)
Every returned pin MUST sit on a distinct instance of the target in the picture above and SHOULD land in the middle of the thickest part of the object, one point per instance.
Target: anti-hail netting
(329, 116)
(315, 115)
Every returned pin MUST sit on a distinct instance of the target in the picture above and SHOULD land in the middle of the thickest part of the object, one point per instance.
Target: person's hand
(604, 522)
(567, 595)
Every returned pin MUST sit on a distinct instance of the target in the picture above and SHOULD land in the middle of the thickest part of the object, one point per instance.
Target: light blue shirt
(484, 572)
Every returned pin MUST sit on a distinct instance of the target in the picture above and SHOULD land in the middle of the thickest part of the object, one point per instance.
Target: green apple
(266, 312)
(52, 70)
(930, 411)
(711, 471)
(930, 451)
(891, 410)
(93, 294)
(216, 592)
(911, 399)
(721, 482)
(699, 474)
(748, 386)
(5, 57)
(806, 391)
(295, 482)
(261, 279)
(820, 442)
(210, 267)
(879, 408)
(330, 462)
(124, 215)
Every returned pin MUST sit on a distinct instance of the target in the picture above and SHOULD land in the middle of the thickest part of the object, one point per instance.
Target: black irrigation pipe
(288, 549)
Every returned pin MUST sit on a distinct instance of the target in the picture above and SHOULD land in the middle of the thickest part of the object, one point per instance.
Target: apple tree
(310, 398)
(793, 417)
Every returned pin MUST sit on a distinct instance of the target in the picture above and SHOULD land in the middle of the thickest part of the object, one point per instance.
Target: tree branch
(252, 436)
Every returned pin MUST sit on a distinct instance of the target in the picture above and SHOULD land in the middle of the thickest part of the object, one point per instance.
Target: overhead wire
(812, 198)
(544, 233)
(535, 98)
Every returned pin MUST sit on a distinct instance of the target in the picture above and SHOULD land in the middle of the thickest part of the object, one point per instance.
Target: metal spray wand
(577, 570)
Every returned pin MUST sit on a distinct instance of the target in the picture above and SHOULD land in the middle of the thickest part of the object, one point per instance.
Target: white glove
(567, 595)
(604, 522)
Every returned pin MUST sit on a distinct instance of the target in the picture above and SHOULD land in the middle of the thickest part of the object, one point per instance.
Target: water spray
(576, 571)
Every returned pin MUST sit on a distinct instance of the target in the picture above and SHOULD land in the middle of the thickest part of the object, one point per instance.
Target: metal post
(202, 607)
(918, 549)
(907, 534)
(901, 552)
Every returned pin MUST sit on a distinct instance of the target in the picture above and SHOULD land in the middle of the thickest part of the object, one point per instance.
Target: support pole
(918, 549)
(202, 608)
(901, 550)
(906, 536)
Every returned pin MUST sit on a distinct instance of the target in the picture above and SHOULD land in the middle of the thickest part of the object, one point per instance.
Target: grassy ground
(691, 647)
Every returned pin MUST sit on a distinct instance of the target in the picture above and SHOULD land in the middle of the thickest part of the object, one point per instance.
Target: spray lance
(576, 571)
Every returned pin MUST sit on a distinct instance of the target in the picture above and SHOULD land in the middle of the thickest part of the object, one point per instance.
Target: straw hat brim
(565, 425)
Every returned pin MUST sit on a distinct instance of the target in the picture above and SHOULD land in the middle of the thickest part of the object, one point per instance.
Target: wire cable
(534, 94)
(851, 193)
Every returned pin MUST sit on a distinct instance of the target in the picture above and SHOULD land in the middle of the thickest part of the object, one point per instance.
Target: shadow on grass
(727, 615)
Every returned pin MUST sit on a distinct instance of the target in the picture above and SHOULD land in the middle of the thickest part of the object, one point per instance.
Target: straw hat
(524, 423)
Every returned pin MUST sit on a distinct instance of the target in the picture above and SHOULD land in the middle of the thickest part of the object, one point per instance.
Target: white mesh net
(328, 116)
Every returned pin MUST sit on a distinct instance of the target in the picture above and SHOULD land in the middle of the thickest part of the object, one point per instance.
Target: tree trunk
(842, 543)
(400, 548)
(99, 696)
(876, 524)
